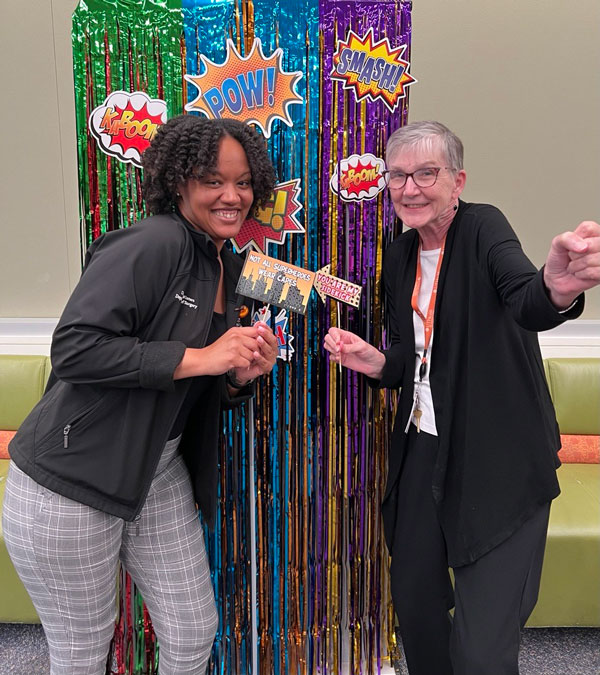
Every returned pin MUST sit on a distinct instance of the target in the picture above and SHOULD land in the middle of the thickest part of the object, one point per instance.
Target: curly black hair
(186, 146)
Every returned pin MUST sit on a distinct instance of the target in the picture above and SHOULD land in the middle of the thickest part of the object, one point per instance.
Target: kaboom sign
(125, 124)
(252, 89)
(358, 177)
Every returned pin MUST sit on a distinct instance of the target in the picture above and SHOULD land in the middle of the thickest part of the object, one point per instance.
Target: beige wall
(516, 79)
(40, 258)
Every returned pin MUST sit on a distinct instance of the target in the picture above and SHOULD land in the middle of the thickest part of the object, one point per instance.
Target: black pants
(494, 596)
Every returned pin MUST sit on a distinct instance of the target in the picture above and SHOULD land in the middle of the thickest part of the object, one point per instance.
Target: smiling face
(428, 210)
(219, 202)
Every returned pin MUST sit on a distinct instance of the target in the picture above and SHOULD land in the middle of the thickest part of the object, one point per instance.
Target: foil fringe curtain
(319, 436)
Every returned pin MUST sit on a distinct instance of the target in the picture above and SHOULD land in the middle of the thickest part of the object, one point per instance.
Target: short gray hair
(419, 133)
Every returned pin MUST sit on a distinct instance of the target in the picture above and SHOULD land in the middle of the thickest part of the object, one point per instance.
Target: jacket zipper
(136, 520)
(66, 431)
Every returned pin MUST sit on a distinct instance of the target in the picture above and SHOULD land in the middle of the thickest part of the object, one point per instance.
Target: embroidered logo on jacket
(186, 300)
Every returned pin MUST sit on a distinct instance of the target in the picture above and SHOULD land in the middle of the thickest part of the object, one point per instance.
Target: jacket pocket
(61, 419)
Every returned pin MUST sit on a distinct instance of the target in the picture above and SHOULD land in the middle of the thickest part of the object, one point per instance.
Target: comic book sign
(275, 282)
(125, 124)
(253, 89)
(284, 339)
(274, 221)
(338, 289)
(373, 70)
(358, 177)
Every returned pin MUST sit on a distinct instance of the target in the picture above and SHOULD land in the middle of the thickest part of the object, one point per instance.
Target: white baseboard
(573, 339)
(26, 336)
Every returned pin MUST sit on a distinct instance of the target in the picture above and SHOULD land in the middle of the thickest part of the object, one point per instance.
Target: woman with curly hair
(115, 460)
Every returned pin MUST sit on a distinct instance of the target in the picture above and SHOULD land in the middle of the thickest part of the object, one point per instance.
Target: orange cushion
(5, 438)
(579, 449)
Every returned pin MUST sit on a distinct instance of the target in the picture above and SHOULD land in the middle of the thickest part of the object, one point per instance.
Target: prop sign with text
(125, 124)
(338, 289)
(284, 340)
(275, 282)
(274, 221)
(358, 177)
(373, 70)
(252, 89)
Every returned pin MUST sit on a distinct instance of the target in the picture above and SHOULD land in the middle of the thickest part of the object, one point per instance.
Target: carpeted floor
(23, 650)
(554, 651)
(544, 651)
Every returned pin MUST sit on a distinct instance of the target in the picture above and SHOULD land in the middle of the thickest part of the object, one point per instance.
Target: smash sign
(125, 124)
(252, 89)
(358, 177)
(373, 70)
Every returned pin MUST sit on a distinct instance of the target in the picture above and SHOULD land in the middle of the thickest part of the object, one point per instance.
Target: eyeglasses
(421, 177)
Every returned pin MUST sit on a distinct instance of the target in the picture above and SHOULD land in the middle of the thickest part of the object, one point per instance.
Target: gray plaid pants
(67, 556)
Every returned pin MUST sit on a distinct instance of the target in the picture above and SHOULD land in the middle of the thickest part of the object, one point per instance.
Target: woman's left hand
(264, 358)
(573, 263)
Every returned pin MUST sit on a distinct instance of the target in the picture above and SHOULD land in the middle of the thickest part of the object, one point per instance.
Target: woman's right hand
(353, 352)
(234, 349)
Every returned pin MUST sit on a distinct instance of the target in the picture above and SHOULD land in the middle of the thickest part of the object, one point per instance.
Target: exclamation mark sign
(279, 209)
(396, 78)
(271, 86)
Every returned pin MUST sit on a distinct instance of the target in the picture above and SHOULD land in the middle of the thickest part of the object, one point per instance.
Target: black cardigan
(498, 436)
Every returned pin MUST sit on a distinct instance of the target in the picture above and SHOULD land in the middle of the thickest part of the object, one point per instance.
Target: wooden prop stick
(339, 323)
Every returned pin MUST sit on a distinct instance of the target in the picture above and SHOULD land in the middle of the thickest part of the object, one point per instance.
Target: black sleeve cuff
(159, 361)
(393, 371)
(556, 315)
(229, 400)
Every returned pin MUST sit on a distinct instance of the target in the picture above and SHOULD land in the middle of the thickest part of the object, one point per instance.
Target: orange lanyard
(414, 301)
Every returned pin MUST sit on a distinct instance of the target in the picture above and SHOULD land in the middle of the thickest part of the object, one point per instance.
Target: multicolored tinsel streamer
(353, 447)
(297, 553)
(119, 45)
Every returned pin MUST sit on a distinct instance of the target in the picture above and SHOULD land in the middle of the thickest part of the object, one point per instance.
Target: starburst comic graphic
(274, 221)
(373, 70)
(358, 177)
(125, 124)
(284, 340)
(252, 89)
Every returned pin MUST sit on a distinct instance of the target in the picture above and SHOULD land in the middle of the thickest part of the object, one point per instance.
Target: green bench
(570, 589)
(22, 382)
(570, 586)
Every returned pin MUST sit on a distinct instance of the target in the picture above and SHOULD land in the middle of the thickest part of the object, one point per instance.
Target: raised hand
(573, 263)
(263, 357)
(353, 352)
(236, 348)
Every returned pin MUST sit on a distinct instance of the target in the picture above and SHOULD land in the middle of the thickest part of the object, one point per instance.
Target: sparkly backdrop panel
(287, 428)
(352, 581)
(319, 437)
(117, 46)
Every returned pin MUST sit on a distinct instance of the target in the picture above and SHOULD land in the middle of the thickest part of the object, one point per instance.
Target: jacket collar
(199, 237)
(231, 267)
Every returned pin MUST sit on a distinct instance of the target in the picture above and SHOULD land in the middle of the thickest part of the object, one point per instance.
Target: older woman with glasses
(473, 457)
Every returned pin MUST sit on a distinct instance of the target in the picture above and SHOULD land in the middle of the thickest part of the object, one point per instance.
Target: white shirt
(429, 261)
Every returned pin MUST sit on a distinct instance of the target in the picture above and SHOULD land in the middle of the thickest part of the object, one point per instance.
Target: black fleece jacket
(146, 293)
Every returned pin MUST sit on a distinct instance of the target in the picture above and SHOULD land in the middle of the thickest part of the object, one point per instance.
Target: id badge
(415, 403)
